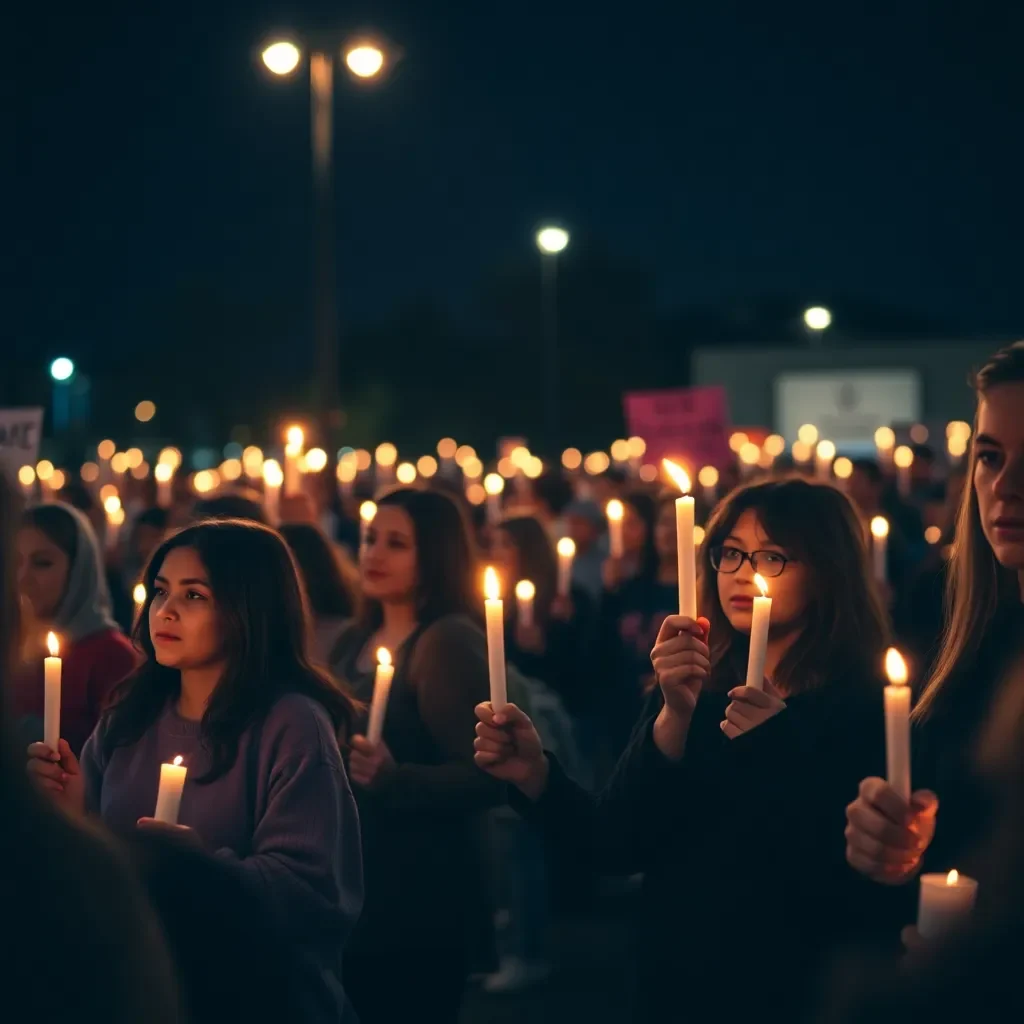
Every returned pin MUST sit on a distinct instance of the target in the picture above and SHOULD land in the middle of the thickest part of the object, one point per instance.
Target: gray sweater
(284, 815)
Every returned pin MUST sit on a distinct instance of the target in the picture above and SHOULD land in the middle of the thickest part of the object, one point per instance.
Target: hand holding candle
(494, 609)
(759, 622)
(51, 694)
(381, 692)
(615, 511)
(687, 554)
(897, 724)
(168, 797)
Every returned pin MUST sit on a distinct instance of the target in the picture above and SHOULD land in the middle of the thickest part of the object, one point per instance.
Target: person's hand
(562, 608)
(179, 833)
(885, 839)
(613, 571)
(366, 760)
(508, 746)
(530, 638)
(750, 707)
(59, 774)
(682, 662)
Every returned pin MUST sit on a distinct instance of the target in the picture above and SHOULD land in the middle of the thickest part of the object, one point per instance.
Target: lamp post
(817, 320)
(364, 61)
(62, 371)
(551, 241)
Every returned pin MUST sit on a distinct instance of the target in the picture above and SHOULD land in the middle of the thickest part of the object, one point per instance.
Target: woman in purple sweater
(228, 687)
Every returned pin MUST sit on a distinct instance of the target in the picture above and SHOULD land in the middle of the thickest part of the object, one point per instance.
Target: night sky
(735, 150)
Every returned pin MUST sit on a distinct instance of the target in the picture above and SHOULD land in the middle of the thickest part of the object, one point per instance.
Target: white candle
(879, 542)
(708, 479)
(164, 474)
(494, 485)
(115, 518)
(615, 511)
(367, 513)
(687, 553)
(566, 553)
(525, 593)
(494, 609)
(381, 692)
(272, 480)
(823, 456)
(295, 438)
(945, 901)
(759, 622)
(168, 797)
(903, 457)
(897, 724)
(51, 694)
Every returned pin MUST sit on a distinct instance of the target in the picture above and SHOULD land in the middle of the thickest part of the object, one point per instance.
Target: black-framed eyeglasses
(729, 559)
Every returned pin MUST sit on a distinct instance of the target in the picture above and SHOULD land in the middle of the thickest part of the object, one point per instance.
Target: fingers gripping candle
(687, 554)
(759, 622)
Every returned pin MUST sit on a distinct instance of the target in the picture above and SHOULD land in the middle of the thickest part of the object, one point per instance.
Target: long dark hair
(264, 621)
(646, 509)
(978, 588)
(330, 578)
(846, 629)
(537, 560)
(445, 558)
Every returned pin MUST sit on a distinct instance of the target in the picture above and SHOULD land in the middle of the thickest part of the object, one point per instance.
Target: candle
(615, 510)
(525, 593)
(885, 440)
(51, 694)
(944, 902)
(897, 724)
(879, 533)
(164, 474)
(823, 456)
(273, 478)
(494, 485)
(708, 479)
(566, 553)
(759, 635)
(494, 609)
(168, 797)
(292, 453)
(686, 553)
(381, 692)
(367, 514)
(903, 458)
(115, 518)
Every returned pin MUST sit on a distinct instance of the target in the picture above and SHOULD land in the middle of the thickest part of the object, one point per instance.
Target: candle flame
(880, 527)
(679, 475)
(383, 656)
(615, 510)
(895, 667)
(295, 438)
(567, 547)
(53, 644)
(953, 877)
(177, 760)
(492, 586)
(367, 511)
(525, 590)
(139, 593)
(762, 584)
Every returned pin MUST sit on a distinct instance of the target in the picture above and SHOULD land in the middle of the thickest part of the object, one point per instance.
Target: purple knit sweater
(296, 838)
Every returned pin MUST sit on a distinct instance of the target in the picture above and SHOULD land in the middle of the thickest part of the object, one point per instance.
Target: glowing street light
(62, 369)
(281, 57)
(552, 240)
(365, 60)
(817, 318)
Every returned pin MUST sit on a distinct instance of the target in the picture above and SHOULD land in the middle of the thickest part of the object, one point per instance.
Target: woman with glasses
(728, 797)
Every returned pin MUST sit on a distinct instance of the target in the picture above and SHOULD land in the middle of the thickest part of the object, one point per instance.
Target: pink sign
(690, 424)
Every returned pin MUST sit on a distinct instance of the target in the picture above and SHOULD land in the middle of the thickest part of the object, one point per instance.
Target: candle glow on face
(679, 475)
(52, 644)
(492, 585)
(879, 527)
(895, 667)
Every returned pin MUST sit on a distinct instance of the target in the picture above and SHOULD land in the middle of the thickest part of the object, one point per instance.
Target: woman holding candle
(950, 811)
(228, 687)
(421, 798)
(728, 795)
(62, 583)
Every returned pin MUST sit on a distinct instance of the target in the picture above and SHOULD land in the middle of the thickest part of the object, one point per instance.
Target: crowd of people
(316, 874)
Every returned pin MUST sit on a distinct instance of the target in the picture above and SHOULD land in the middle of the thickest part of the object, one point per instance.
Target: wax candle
(273, 478)
(885, 441)
(115, 519)
(525, 593)
(759, 622)
(879, 543)
(903, 457)
(164, 474)
(897, 724)
(566, 553)
(708, 479)
(381, 692)
(686, 552)
(367, 514)
(51, 694)
(615, 511)
(823, 456)
(295, 438)
(494, 609)
(494, 485)
(168, 797)
(945, 901)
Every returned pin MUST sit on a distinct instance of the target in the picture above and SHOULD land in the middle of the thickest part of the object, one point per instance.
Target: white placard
(846, 406)
(20, 430)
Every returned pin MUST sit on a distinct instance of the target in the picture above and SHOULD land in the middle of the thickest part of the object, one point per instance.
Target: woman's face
(737, 590)
(387, 563)
(665, 532)
(505, 556)
(634, 531)
(43, 570)
(184, 624)
(999, 472)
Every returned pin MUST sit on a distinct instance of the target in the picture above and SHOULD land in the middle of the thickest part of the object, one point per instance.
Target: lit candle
(51, 694)
(525, 593)
(164, 474)
(708, 479)
(945, 901)
(885, 440)
(273, 478)
(381, 692)
(139, 595)
(897, 724)
(823, 456)
(686, 552)
(115, 518)
(759, 622)
(566, 553)
(615, 510)
(295, 439)
(168, 797)
(879, 535)
(494, 609)
(367, 513)
(903, 457)
(494, 485)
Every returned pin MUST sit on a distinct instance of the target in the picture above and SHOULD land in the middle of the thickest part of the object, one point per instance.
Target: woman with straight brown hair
(728, 796)
(943, 826)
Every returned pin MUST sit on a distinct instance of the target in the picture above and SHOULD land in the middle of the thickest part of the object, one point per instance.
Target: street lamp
(817, 318)
(551, 241)
(62, 371)
(365, 60)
